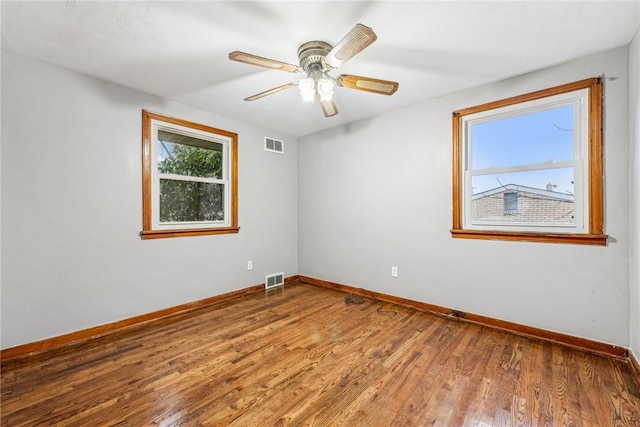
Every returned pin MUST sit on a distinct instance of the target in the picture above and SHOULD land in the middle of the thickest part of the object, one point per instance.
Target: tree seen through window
(184, 197)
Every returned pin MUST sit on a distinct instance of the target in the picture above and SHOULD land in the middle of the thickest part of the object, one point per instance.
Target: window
(189, 178)
(510, 203)
(530, 167)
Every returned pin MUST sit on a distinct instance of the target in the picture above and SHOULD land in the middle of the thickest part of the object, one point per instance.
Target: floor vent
(273, 145)
(273, 280)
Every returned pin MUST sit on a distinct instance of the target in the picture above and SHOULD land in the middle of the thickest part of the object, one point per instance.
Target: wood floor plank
(301, 356)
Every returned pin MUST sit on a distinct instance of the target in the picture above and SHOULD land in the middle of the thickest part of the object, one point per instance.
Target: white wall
(377, 193)
(634, 194)
(71, 208)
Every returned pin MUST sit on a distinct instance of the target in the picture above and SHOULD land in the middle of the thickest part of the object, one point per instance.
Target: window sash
(158, 127)
(580, 219)
(190, 224)
(577, 99)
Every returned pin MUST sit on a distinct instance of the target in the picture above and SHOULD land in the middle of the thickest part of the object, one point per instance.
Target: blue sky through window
(539, 137)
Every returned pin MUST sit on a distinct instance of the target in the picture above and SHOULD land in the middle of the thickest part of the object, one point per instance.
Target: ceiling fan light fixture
(325, 89)
(307, 89)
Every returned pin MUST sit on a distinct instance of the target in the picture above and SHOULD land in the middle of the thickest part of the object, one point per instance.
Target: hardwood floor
(301, 356)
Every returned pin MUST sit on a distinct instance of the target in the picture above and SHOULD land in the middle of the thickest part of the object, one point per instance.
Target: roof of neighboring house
(515, 187)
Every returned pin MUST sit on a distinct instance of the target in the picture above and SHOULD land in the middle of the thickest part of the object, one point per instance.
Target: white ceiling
(179, 50)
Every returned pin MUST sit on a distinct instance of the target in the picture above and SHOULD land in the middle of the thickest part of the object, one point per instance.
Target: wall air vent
(273, 280)
(273, 145)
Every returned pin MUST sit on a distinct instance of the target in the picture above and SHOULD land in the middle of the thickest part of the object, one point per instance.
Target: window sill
(577, 239)
(162, 234)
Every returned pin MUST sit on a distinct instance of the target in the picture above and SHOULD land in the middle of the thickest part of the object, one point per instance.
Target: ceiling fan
(317, 59)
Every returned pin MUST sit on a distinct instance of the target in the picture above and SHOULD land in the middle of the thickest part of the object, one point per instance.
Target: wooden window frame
(595, 234)
(148, 232)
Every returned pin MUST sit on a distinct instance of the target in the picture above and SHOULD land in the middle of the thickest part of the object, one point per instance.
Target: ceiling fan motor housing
(314, 52)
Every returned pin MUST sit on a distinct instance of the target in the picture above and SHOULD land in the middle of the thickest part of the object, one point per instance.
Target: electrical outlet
(249, 265)
(394, 271)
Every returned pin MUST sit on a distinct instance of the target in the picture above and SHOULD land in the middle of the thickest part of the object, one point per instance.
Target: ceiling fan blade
(329, 108)
(352, 44)
(270, 91)
(272, 64)
(382, 87)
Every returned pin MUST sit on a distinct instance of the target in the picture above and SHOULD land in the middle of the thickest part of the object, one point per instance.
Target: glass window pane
(533, 197)
(510, 202)
(182, 201)
(540, 137)
(198, 158)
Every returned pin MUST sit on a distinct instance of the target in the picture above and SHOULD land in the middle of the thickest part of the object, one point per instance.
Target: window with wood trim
(189, 178)
(530, 167)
